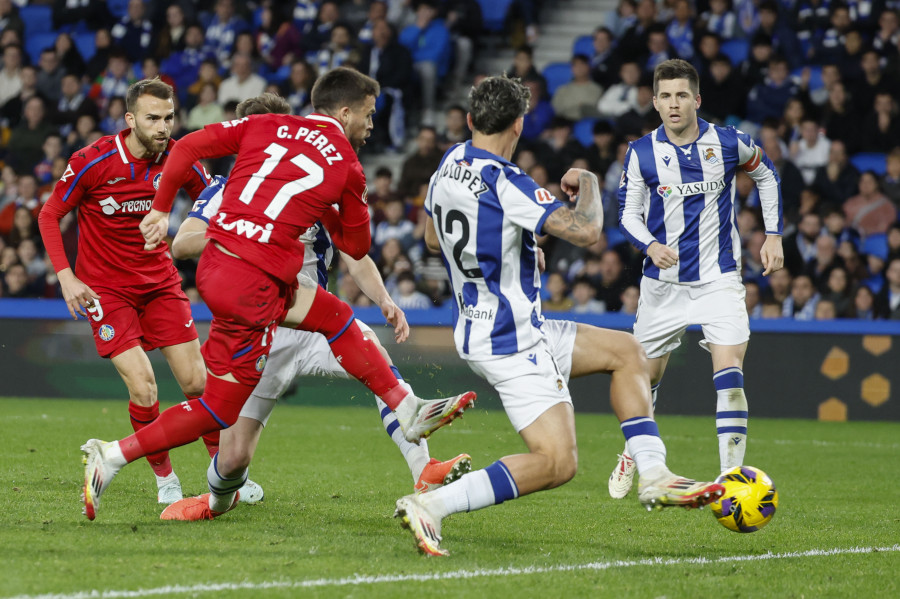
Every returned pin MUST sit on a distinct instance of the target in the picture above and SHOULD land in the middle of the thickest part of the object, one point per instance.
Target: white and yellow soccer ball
(749, 501)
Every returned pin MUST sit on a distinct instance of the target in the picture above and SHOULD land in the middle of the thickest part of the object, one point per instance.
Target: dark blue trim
(502, 482)
(84, 170)
(396, 372)
(392, 427)
(196, 170)
(734, 414)
(211, 413)
(633, 427)
(384, 412)
(731, 429)
(242, 352)
(131, 164)
(341, 332)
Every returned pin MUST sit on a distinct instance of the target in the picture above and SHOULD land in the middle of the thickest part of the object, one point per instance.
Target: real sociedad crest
(710, 156)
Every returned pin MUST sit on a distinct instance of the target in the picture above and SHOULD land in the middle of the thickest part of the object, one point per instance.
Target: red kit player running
(133, 298)
(289, 173)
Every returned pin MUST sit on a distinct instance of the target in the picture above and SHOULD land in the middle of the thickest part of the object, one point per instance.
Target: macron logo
(532, 358)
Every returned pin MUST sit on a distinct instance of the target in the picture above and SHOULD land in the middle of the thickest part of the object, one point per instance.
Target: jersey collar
(125, 155)
(472, 152)
(327, 119)
(661, 132)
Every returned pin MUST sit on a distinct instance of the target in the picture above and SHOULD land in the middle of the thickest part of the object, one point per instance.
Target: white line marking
(452, 575)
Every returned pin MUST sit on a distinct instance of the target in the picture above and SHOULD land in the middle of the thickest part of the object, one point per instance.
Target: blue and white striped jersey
(318, 250)
(485, 212)
(684, 197)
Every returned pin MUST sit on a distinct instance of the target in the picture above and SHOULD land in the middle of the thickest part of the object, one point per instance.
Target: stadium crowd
(815, 82)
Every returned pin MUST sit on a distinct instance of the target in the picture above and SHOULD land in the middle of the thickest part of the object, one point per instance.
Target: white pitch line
(453, 575)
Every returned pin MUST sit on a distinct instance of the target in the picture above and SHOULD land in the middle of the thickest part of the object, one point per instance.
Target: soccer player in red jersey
(290, 172)
(131, 297)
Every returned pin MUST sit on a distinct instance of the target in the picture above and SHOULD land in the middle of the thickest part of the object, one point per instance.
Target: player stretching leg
(483, 215)
(248, 274)
(131, 298)
(677, 204)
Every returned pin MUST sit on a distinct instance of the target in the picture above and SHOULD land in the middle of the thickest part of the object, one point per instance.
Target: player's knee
(565, 467)
(233, 460)
(635, 355)
(143, 391)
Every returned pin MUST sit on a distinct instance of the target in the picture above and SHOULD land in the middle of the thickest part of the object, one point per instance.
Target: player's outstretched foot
(432, 414)
(622, 478)
(670, 490)
(192, 509)
(251, 493)
(169, 490)
(424, 527)
(436, 473)
(97, 475)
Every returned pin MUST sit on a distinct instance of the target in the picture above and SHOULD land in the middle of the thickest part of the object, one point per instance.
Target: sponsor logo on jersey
(156, 179)
(365, 196)
(543, 196)
(246, 228)
(69, 172)
(709, 155)
(623, 180)
(234, 122)
(114, 181)
(472, 312)
(260, 363)
(110, 206)
(689, 189)
(107, 332)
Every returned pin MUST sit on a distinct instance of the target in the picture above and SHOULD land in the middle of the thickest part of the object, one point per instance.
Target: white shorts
(533, 381)
(294, 353)
(665, 310)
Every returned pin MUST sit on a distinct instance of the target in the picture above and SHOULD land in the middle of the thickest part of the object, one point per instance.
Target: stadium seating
(870, 161)
(493, 14)
(85, 44)
(557, 74)
(614, 236)
(876, 245)
(34, 44)
(815, 76)
(583, 131)
(584, 45)
(736, 50)
(37, 19)
(118, 8)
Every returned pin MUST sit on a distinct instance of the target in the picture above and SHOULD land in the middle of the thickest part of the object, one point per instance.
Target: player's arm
(190, 239)
(65, 197)
(431, 236)
(368, 278)
(632, 192)
(582, 225)
(349, 224)
(756, 164)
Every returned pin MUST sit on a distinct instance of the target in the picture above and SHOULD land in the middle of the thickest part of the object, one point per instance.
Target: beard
(152, 145)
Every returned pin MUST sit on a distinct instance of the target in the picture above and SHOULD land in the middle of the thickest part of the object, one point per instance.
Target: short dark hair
(384, 171)
(267, 103)
(497, 102)
(341, 87)
(147, 87)
(676, 68)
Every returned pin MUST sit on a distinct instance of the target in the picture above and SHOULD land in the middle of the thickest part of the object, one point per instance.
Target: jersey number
(455, 216)
(315, 175)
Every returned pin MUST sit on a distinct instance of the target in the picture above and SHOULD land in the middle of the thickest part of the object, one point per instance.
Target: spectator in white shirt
(810, 151)
(621, 97)
(243, 83)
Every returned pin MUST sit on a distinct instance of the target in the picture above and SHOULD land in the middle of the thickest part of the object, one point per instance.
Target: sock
(731, 417)
(359, 356)
(653, 391)
(222, 490)
(142, 416)
(644, 444)
(179, 425)
(210, 440)
(491, 486)
(416, 456)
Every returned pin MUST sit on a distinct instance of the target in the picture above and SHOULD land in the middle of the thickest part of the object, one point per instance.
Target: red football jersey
(288, 171)
(113, 191)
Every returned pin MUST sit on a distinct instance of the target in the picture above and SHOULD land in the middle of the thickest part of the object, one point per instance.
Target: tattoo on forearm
(580, 224)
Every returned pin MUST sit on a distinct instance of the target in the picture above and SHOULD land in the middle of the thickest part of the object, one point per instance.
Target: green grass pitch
(331, 477)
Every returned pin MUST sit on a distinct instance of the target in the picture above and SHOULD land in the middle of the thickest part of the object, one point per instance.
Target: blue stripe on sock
(729, 378)
(731, 429)
(641, 425)
(502, 482)
(396, 373)
(392, 427)
(341, 332)
(735, 414)
(384, 412)
(211, 413)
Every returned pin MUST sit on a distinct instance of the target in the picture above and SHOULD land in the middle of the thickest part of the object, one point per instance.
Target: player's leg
(314, 309)
(187, 366)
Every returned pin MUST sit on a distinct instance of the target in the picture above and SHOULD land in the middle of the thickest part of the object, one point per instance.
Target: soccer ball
(749, 500)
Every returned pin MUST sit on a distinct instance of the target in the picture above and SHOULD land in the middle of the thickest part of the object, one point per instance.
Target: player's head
(150, 107)
(348, 96)
(267, 103)
(676, 94)
(497, 105)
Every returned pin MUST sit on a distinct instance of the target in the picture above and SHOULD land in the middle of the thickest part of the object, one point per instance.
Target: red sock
(142, 416)
(359, 356)
(211, 440)
(179, 425)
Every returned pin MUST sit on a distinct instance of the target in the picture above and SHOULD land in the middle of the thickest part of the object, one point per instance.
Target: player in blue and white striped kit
(483, 215)
(677, 205)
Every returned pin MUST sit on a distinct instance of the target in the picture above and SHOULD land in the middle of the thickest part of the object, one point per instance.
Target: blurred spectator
(753, 299)
(434, 281)
(395, 226)
(613, 280)
(24, 216)
(801, 303)
(826, 259)
(839, 118)
(770, 309)
(8, 257)
(788, 173)
(81, 12)
(800, 247)
(9, 17)
(340, 49)
(406, 296)
(875, 263)
(277, 41)
(825, 310)
(890, 182)
(881, 128)
(829, 47)
(207, 73)
(183, 65)
(838, 179)
(870, 211)
(114, 81)
(540, 111)
(811, 19)
(752, 263)
(622, 18)
(709, 46)
(72, 103)
(296, 89)
(630, 299)
(115, 116)
(49, 75)
(830, 75)
(69, 57)
(24, 149)
(887, 37)
(722, 92)
(558, 300)
(863, 304)
(78, 137)
(621, 97)
(29, 257)
(377, 12)
(838, 290)
(11, 74)
(633, 42)
(463, 19)
(523, 65)
(244, 43)
(134, 32)
(222, 31)
(658, 48)
(456, 129)
(794, 113)
(318, 32)
(851, 57)
(52, 148)
(391, 65)
(207, 111)
(578, 99)
(150, 70)
(304, 14)
(583, 298)
(893, 241)
(428, 39)
(680, 30)
(605, 62)
(641, 117)
(558, 149)
(887, 302)
(853, 261)
(392, 261)
(875, 80)
(719, 19)
(418, 167)
(16, 280)
(602, 152)
(171, 37)
(779, 286)
(381, 193)
(768, 99)
(811, 150)
(755, 67)
(13, 111)
(243, 83)
(103, 47)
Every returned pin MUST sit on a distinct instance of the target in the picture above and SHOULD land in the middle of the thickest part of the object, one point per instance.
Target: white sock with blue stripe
(731, 417)
(476, 490)
(644, 445)
(416, 455)
(653, 391)
(222, 490)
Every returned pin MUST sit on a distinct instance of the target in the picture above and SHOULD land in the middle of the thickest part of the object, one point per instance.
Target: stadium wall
(835, 370)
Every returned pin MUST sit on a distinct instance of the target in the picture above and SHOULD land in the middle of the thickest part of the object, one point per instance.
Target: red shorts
(158, 316)
(247, 306)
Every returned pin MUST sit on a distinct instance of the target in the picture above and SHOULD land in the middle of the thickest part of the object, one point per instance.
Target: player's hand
(662, 255)
(569, 182)
(397, 318)
(772, 254)
(541, 260)
(78, 296)
(154, 228)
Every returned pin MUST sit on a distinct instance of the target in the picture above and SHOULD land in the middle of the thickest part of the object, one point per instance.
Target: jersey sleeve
(633, 193)
(210, 200)
(67, 194)
(524, 202)
(355, 236)
(755, 162)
